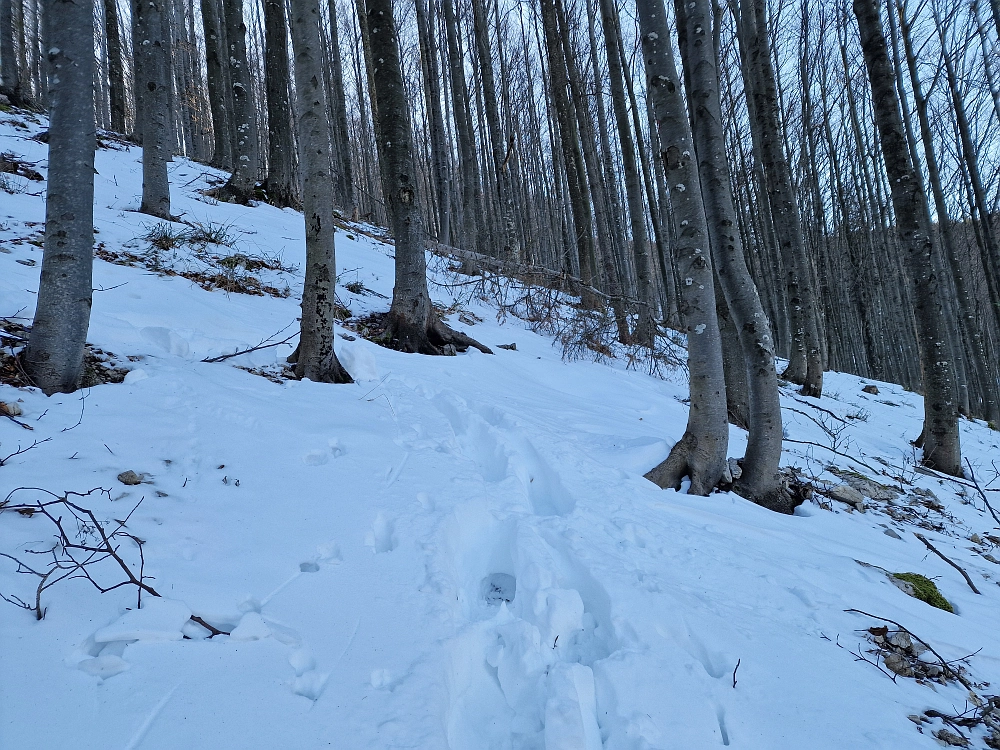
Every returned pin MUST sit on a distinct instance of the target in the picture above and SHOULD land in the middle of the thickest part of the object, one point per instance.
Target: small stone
(896, 663)
(950, 738)
(449, 350)
(992, 559)
(130, 478)
(734, 467)
(870, 389)
(914, 718)
(976, 539)
(893, 534)
(511, 347)
(933, 670)
(847, 494)
(901, 639)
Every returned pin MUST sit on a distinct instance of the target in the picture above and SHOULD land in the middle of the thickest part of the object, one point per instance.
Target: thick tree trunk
(701, 452)
(761, 480)
(53, 358)
(8, 60)
(153, 86)
(941, 443)
(805, 365)
(414, 326)
(317, 359)
(280, 185)
(246, 158)
(216, 71)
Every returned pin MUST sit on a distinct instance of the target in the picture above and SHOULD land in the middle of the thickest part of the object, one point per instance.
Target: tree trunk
(413, 324)
(343, 166)
(941, 444)
(761, 480)
(280, 185)
(241, 185)
(701, 452)
(439, 145)
(53, 359)
(805, 365)
(316, 359)
(116, 70)
(152, 65)
(645, 331)
(216, 71)
(8, 61)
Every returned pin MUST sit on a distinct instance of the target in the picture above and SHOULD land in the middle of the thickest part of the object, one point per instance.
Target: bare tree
(701, 452)
(316, 358)
(53, 358)
(154, 82)
(941, 442)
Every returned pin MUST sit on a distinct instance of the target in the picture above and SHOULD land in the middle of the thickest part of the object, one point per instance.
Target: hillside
(455, 551)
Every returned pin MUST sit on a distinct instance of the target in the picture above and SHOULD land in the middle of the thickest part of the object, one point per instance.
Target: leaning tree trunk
(216, 69)
(241, 185)
(805, 366)
(413, 324)
(154, 83)
(53, 359)
(701, 452)
(280, 185)
(760, 480)
(317, 359)
(941, 442)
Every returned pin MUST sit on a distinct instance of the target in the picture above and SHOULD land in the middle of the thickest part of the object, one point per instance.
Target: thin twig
(944, 664)
(982, 494)
(265, 344)
(937, 552)
(832, 450)
(734, 671)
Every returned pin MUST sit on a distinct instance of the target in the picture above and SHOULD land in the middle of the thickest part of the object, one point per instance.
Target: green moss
(925, 590)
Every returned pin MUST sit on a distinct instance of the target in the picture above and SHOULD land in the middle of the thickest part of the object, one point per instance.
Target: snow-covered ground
(454, 552)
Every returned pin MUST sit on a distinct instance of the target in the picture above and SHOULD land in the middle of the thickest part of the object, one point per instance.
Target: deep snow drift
(455, 552)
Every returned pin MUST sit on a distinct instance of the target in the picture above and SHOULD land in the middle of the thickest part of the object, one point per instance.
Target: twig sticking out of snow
(937, 552)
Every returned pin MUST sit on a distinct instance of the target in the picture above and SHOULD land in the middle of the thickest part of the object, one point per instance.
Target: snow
(453, 552)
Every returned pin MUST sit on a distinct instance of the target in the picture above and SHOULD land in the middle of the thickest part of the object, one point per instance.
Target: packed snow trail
(455, 552)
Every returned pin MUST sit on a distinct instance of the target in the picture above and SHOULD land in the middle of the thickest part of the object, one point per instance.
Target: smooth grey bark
(941, 441)
(216, 72)
(246, 157)
(805, 366)
(53, 359)
(645, 331)
(280, 185)
(761, 480)
(153, 87)
(316, 358)
(8, 59)
(413, 325)
(701, 451)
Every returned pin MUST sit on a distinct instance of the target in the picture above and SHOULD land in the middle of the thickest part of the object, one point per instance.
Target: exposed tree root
(434, 338)
(687, 460)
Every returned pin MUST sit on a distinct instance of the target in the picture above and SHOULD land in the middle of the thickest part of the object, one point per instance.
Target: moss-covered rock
(925, 590)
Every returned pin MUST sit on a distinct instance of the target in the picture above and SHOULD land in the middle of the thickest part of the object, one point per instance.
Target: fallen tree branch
(833, 450)
(975, 483)
(937, 552)
(264, 344)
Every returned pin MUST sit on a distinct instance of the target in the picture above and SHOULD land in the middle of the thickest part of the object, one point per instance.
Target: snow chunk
(359, 362)
(103, 666)
(159, 619)
(167, 340)
(251, 628)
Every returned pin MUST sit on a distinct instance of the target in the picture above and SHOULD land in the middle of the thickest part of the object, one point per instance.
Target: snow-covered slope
(455, 552)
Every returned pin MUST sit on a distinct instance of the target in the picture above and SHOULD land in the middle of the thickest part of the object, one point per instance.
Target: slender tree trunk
(414, 326)
(246, 157)
(116, 69)
(805, 366)
(941, 443)
(154, 83)
(645, 331)
(316, 358)
(280, 185)
(343, 165)
(439, 144)
(761, 480)
(53, 358)
(9, 77)
(216, 69)
(701, 452)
